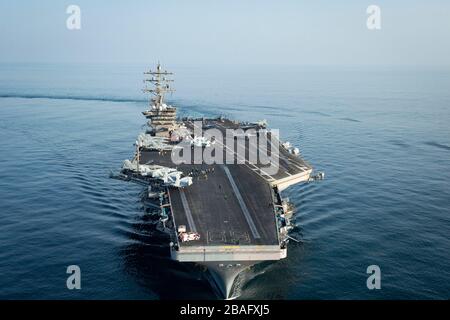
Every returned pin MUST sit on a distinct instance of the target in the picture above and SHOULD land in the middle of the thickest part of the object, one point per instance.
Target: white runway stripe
(187, 210)
(244, 208)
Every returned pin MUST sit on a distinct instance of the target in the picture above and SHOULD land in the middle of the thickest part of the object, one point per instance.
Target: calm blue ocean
(382, 136)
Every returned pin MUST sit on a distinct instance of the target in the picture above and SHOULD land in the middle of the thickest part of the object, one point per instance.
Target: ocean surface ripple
(381, 136)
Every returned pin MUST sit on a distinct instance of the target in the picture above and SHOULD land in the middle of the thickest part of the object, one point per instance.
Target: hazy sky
(227, 32)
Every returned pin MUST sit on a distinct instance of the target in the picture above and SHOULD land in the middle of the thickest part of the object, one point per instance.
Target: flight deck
(229, 204)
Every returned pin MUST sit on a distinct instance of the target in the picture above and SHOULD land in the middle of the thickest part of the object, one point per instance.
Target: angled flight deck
(229, 204)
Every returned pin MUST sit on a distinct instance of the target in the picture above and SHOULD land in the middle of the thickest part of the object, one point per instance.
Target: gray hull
(223, 275)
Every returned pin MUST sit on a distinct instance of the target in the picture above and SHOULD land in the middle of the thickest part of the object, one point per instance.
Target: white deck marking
(244, 208)
(246, 162)
(187, 210)
(298, 167)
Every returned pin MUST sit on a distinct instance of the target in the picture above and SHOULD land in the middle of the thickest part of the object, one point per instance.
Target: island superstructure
(226, 216)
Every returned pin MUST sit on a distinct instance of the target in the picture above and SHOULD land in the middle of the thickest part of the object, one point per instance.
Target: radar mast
(161, 85)
(162, 116)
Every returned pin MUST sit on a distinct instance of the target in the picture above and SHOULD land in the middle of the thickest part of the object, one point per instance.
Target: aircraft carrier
(225, 210)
